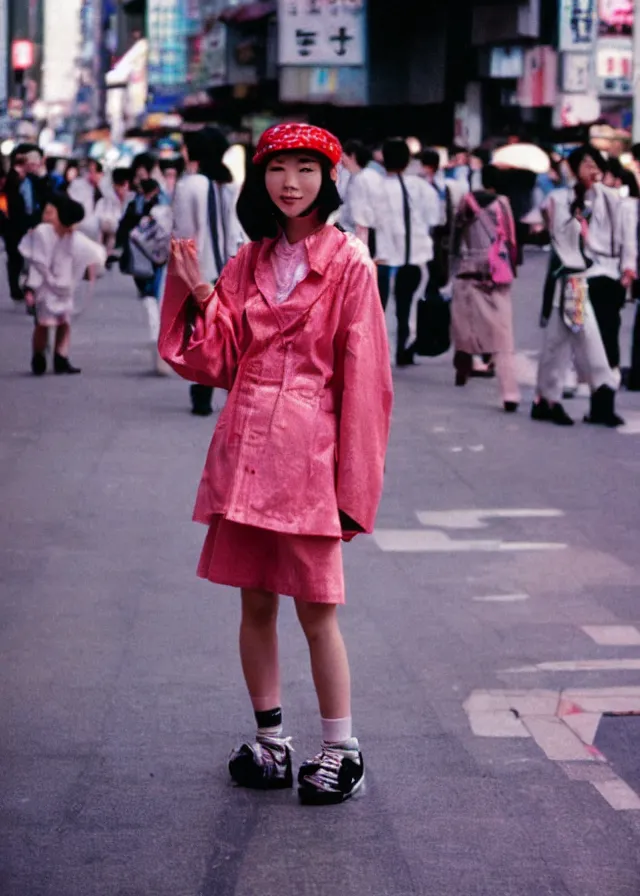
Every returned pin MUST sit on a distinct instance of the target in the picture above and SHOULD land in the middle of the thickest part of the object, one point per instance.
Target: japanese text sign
(578, 19)
(321, 32)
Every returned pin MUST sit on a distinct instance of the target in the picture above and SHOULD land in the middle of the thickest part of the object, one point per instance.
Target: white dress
(57, 264)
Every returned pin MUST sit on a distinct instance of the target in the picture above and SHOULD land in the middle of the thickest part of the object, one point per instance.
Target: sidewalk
(122, 693)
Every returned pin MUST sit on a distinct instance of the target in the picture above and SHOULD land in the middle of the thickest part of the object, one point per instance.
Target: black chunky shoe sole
(309, 796)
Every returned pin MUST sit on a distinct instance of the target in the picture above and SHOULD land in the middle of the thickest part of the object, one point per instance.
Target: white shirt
(57, 264)
(612, 242)
(191, 221)
(389, 223)
(364, 195)
(83, 192)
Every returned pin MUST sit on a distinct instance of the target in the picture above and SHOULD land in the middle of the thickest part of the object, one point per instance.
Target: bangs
(258, 215)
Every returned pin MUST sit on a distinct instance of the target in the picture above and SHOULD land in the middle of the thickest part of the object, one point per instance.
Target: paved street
(493, 624)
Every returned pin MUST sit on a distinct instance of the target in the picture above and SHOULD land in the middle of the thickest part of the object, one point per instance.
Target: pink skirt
(306, 567)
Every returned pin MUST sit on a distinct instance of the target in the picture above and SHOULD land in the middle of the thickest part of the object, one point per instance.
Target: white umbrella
(526, 156)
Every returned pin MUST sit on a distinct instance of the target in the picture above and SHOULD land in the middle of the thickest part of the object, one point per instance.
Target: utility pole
(636, 72)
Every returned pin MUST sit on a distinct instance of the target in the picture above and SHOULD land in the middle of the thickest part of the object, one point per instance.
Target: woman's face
(293, 181)
(50, 215)
(588, 172)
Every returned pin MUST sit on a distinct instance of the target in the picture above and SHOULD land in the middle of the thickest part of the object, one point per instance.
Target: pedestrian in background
(144, 234)
(295, 330)
(204, 210)
(87, 190)
(485, 264)
(111, 208)
(25, 203)
(58, 256)
(406, 208)
(582, 226)
(355, 158)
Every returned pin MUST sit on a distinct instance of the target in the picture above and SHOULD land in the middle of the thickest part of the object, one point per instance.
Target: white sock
(337, 731)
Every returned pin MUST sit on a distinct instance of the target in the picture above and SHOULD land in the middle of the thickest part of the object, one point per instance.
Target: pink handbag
(500, 255)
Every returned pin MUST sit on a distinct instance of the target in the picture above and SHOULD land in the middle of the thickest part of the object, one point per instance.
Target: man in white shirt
(362, 202)
(406, 208)
(355, 158)
(88, 192)
(584, 223)
(204, 210)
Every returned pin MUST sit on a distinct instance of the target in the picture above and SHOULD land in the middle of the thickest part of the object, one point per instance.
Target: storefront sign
(538, 85)
(615, 18)
(168, 56)
(577, 24)
(321, 32)
(614, 69)
(506, 62)
(576, 109)
(576, 72)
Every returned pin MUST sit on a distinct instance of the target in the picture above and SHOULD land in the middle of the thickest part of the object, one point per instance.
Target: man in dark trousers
(25, 203)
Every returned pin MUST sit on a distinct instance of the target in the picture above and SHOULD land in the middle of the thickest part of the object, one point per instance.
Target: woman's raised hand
(183, 263)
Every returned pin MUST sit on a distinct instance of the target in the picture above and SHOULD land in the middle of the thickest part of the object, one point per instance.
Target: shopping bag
(433, 327)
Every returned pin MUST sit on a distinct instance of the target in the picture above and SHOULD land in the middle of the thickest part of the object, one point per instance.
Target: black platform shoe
(39, 364)
(62, 365)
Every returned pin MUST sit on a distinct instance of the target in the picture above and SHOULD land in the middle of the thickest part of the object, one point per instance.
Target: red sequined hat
(291, 136)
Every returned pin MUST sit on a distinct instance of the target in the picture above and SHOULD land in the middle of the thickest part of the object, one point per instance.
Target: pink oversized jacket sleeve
(201, 342)
(365, 407)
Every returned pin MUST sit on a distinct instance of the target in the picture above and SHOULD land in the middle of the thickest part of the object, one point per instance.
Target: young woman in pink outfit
(294, 330)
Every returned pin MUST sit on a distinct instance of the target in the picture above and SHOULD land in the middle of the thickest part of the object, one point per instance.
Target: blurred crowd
(446, 230)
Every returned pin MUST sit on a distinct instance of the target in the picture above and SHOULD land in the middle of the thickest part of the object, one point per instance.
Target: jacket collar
(321, 248)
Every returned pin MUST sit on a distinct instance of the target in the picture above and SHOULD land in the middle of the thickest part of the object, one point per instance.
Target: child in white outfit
(58, 256)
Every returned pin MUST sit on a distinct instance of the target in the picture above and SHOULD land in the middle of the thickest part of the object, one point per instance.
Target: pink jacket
(303, 435)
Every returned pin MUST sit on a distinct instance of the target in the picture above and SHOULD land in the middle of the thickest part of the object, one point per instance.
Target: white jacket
(191, 221)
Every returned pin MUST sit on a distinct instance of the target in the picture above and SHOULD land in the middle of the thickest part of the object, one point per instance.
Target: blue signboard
(167, 28)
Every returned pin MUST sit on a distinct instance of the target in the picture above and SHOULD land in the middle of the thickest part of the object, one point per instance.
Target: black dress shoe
(511, 407)
(405, 359)
(542, 410)
(602, 410)
(202, 412)
(61, 365)
(39, 364)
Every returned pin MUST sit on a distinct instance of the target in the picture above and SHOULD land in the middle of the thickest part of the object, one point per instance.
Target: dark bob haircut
(396, 155)
(261, 219)
(69, 211)
(586, 151)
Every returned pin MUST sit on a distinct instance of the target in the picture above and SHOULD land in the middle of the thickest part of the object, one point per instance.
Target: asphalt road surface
(493, 624)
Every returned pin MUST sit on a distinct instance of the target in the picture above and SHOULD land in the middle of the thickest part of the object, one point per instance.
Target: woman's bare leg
(329, 661)
(63, 340)
(259, 648)
(40, 339)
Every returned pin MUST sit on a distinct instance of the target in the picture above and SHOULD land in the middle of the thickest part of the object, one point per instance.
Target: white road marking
(556, 740)
(496, 723)
(619, 665)
(433, 542)
(476, 519)
(456, 449)
(476, 448)
(501, 598)
(632, 425)
(618, 794)
(613, 635)
(584, 724)
(564, 725)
